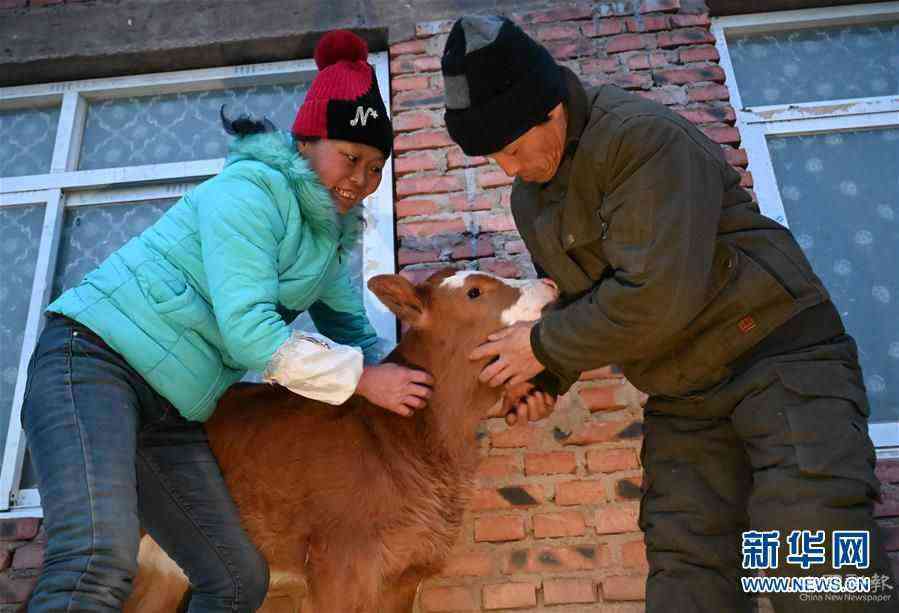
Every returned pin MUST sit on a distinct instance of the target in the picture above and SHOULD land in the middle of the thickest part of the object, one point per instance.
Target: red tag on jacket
(746, 325)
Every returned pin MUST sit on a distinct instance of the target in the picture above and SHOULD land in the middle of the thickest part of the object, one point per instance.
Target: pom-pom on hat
(344, 102)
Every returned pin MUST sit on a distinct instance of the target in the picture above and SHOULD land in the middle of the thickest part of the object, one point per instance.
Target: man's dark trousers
(781, 446)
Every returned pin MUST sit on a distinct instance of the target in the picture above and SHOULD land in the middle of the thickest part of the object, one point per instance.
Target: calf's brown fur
(353, 506)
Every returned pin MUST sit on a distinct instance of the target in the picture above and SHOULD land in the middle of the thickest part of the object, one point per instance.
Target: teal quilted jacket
(195, 300)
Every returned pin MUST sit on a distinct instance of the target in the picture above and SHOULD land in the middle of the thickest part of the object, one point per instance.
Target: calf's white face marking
(534, 295)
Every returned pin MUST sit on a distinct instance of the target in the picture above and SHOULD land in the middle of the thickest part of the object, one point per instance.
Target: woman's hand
(396, 388)
(525, 402)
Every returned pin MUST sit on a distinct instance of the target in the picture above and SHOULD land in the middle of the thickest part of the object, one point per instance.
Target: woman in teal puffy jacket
(135, 358)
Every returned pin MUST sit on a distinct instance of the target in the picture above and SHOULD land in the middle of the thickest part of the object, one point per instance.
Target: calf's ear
(400, 296)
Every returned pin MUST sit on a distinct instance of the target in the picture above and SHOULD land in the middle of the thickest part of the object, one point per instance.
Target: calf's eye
(474, 293)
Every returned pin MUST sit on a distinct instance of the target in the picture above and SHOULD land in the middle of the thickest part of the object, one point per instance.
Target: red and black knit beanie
(344, 102)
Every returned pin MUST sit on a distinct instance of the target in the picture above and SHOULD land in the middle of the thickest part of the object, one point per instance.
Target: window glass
(178, 127)
(840, 192)
(834, 63)
(27, 138)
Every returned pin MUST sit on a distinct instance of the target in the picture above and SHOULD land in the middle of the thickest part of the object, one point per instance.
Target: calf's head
(452, 312)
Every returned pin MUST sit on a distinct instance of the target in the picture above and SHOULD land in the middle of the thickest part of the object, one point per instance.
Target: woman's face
(350, 171)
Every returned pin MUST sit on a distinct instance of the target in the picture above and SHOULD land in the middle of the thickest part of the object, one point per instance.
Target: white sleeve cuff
(316, 367)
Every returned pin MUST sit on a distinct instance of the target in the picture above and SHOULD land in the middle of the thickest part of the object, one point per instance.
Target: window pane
(91, 233)
(20, 239)
(841, 196)
(178, 127)
(28, 137)
(853, 61)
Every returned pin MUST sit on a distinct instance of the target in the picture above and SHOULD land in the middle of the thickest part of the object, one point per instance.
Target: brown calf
(354, 506)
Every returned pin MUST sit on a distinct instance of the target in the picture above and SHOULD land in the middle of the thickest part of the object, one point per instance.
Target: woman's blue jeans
(111, 456)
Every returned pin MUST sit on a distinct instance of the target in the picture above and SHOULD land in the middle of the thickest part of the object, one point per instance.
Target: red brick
(595, 65)
(611, 460)
(633, 555)
(522, 435)
(441, 599)
(624, 588)
(401, 65)
(598, 432)
(409, 46)
(5, 559)
(477, 201)
(494, 178)
(410, 207)
(888, 471)
(680, 76)
(506, 497)
(552, 463)
(422, 140)
(16, 589)
(431, 228)
(628, 488)
(414, 163)
(604, 397)
(13, 4)
(562, 50)
(890, 505)
(500, 528)
(505, 199)
(513, 247)
(646, 60)
(502, 268)
(699, 53)
(402, 84)
(554, 525)
(652, 6)
(566, 13)
(419, 98)
(705, 113)
(509, 596)
(723, 135)
(28, 556)
(411, 186)
(631, 80)
(558, 31)
(414, 120)
(603, 27)
(417, 275)
(683, 21)
(474, 563)
(625, 42)
(482, 248)
(457, 159)
(580, 492)
(745, 178)
(708, 92)
(502, 222)
(426, 64)
(617, 518)
(556, 559)
(736, 157)
(497, 466)
(652, 23)
(22, 529)
(45, 2)
(686, 36)
(568, 591)
(414, 256)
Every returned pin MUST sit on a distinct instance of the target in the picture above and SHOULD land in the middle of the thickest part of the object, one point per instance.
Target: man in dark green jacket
(756, 450)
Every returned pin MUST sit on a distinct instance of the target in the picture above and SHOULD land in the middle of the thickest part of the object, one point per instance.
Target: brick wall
(553, 521)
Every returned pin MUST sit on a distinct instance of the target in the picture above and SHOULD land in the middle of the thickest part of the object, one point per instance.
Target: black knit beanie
(499, 83)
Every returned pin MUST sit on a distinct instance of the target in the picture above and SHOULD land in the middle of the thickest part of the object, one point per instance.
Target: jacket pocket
(176, 301)
(827, 411)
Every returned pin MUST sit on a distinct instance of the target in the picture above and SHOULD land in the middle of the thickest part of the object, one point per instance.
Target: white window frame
(757, 123)
(64, 186)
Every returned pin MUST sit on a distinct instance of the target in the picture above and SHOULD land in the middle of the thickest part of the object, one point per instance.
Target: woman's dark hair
(245, 125)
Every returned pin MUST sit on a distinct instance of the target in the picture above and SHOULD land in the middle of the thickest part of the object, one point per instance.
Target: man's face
(535, 155)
